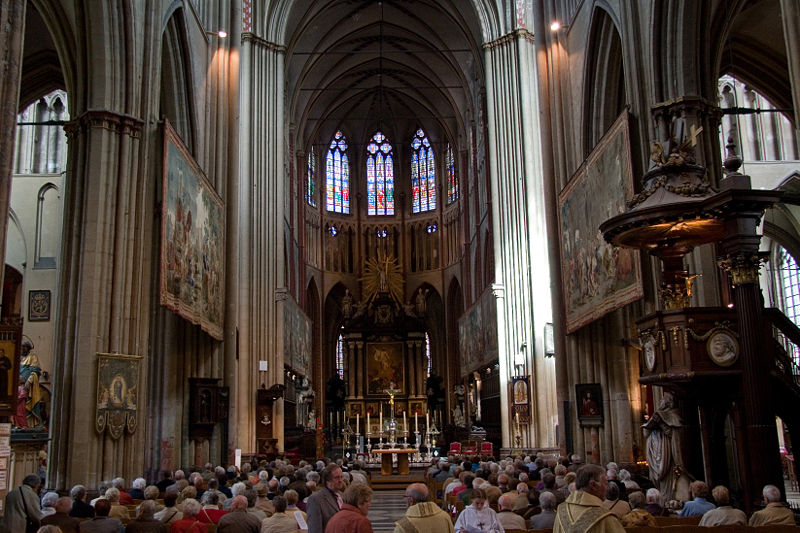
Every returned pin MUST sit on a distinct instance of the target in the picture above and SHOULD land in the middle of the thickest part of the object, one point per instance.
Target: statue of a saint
(31, 371)
(420, 301)
(347, 304)
(664, 432)
(458, 417)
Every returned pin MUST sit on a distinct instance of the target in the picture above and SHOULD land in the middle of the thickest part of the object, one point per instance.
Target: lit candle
(380, 421)
(368, 428)
(427, 421)
(416, 422)
(405, 422)
(357, 422)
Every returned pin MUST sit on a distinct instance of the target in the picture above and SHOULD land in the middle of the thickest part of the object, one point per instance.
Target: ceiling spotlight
(556, 25)
(222, 34)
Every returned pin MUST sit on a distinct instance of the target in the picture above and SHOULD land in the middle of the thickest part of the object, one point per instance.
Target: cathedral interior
(235, 226)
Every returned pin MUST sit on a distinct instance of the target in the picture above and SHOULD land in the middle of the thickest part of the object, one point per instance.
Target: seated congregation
(513, 495)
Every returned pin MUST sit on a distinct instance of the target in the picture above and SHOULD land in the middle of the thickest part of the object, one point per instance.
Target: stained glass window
(337, 176)
(789, 279)
(340, 356)
(428, 352)
(452, 180)
(311, 180)
(380, 176)
(423, 174)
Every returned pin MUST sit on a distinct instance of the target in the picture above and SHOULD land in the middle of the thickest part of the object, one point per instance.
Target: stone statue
(347, 304)
(458, 417)
(420, 301)
(311, 418)
(664, 432)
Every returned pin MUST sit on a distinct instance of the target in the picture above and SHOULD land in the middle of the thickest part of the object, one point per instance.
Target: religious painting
(372, 409)
(38, 306)
(192, 277)
(117, 393)
(385, 367)
(416, 407)
(400, 406)
(355, 408)
(589, 400)
(597, 277)
(520, 390)
(10, 338)
(297, 337)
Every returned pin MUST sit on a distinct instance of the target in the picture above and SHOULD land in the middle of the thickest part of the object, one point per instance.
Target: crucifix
(392, 391)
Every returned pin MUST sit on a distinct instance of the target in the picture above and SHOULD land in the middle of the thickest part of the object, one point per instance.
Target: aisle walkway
(387, 507)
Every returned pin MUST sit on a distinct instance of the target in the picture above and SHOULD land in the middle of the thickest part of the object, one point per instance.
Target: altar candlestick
(416, 422)
(357, 422)
(405, 422)
(380, 421)
(427, 421)
(368, 428)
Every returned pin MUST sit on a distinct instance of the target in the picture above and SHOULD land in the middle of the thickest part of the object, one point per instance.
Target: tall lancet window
(452, 179)
(311, 180)
(423, 174)
(789, 287)
(428, 353)
(340, 356)
(337, 176)
(380, 176)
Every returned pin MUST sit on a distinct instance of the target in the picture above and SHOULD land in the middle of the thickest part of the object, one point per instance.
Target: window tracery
(337, 176)
(423, 174)
(380, 176)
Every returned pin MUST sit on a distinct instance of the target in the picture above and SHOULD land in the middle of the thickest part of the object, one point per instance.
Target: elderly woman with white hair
(137, 488)
(189, 523)
(117, 510)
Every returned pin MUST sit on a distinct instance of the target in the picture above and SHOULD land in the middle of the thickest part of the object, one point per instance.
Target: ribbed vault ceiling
(394, 64)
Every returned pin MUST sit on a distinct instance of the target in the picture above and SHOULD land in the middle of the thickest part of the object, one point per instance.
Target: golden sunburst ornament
(382, 275)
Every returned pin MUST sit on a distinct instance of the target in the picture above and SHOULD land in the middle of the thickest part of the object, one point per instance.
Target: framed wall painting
(192, 274)
(38, 306)
(597, 277)
(589, 403)
(385, 366)
(10, 340)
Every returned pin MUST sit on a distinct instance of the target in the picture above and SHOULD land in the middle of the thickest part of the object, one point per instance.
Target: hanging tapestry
(597, 277)
(192, 240)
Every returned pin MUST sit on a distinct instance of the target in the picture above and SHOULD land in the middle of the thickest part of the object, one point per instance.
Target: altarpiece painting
(385, 366)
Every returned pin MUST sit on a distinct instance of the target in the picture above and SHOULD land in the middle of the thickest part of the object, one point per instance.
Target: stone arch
(176, 90)
(604, 94)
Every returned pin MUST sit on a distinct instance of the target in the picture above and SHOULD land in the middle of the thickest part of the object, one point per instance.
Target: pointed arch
(604, 94)
(176, 75)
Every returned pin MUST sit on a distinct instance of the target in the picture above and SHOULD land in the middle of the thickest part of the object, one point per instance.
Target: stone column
(262, 286)
(12, 35)
(106, 266)
(519, 226)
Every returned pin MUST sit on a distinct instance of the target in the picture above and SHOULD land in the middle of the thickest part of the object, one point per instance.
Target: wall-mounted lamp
(549, 340)
(222, 34)
(556, 26)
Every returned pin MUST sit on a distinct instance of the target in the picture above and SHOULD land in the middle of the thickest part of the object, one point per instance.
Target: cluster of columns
(519, 229)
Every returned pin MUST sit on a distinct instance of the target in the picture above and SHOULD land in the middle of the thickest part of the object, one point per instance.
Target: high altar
(386, 338)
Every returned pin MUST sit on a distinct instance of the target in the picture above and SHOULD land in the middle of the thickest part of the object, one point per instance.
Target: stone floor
(387, 507)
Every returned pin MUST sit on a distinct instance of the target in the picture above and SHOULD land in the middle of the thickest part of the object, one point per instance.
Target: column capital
(743, 266)
(105, 119)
